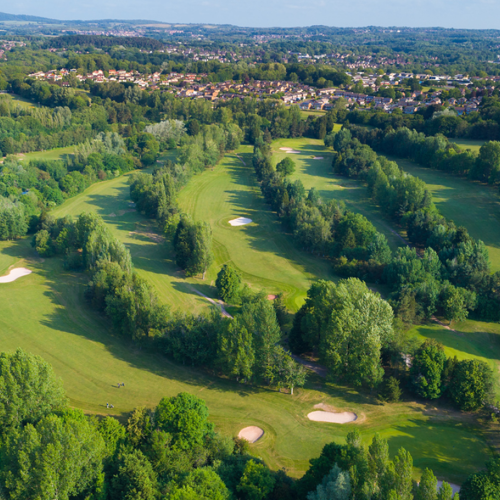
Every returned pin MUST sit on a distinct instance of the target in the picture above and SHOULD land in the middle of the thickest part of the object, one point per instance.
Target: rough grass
(470, 204)
(50, 154)
(472, 144)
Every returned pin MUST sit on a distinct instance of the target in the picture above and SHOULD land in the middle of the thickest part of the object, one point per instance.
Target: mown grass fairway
(473, 205)
(319, 174)
(45, 313)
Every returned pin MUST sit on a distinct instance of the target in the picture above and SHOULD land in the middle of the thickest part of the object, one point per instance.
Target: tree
(377, 461)
(228, 283)
(360, 323)
(445, 492)
(427, 489)
(427, 369)
(471, 384)
(335, 486)
(391, 392)
(135, 479)
(185, 417)
(286, 167)
(29, 389)
(398, 477)
(201, 484)
(453, 303)
(256, 482)
(60, 457)
(235, 355)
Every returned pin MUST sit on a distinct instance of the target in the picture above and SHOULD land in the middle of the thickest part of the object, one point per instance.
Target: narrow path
(241, 159)
(442, 324)
(315, 367)
(224, 312)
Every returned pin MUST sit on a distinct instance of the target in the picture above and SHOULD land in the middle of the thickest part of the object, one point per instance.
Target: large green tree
(29, 389)
(427, 369)
(228, 283)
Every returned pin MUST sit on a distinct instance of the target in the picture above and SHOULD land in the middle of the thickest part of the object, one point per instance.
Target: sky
(473, 14)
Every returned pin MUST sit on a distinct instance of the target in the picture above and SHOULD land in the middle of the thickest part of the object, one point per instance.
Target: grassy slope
(318, 174)
(45, 314)
(51, 154)
(475, 206)
(472, 144)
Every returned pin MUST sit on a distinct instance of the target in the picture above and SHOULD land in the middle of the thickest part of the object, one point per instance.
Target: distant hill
(14, 17)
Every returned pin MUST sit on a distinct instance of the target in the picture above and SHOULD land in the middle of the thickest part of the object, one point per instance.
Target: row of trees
(452, 265)
(172, 452)
(435, 152)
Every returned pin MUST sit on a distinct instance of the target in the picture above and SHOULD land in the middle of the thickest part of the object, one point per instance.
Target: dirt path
(241, 159)
(218, 304)
(442, 324)
(315, 367)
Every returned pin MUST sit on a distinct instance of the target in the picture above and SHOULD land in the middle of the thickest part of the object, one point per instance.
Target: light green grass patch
(50, 154)
(472, 144)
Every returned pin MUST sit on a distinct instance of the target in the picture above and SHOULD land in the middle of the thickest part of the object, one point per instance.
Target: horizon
(277, 13)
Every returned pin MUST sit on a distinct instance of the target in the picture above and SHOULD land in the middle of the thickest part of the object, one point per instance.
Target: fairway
(472, 144)
(45, 313)
(50, 154)
(470, 204)
(319, 174)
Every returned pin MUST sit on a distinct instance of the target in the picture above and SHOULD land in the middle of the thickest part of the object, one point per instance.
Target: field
(45, 313)
(472, 144)
(18, 99)
(473, 205)
(51, 154)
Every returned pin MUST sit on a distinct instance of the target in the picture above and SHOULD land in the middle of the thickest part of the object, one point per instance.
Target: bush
(391, 392)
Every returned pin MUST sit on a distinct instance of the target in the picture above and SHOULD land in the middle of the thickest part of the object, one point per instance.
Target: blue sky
(265, 13)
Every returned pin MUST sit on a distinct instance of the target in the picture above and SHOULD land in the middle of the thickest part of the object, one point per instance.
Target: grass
(50, 154)
(45, 313)
(318, 174)
(472, 144)
(469, 204)
(26, 103)
(471, 339)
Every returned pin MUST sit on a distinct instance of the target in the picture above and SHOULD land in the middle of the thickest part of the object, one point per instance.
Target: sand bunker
(271, 297)
(240, 221)
(286, 149)
(251, 434)
(318, 158)
(294, 152)
(15, 274)
(329, 416)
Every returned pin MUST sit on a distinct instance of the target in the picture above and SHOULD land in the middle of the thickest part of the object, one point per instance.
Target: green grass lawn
(50, 154)
(318, 174)
(473, 205)
(45, 313)
(472, 144)
(25, 103)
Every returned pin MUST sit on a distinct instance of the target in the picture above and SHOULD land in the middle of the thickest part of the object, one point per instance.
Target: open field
(318, 174)
(45, 313)
(18, 99)
(473, 205)
(50, 154)
(472, 144)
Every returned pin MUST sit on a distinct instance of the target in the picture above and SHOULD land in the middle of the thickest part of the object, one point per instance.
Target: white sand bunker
(329, 416)
(318, 158)
(251, 434)
(286, 149)
(15, 274)
(240, 221)
(293, 152)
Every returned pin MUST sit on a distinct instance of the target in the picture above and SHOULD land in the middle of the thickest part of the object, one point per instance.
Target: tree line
(450, 263)
(172, 452)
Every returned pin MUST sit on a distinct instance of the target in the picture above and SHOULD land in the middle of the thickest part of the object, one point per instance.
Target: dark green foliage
(390, 392)
(471, 384)
(228, 283)
(29, 389)
(427, 369)
(286, 167)
(256, 482)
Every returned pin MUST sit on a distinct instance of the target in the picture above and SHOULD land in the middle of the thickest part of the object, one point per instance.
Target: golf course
(45, 313)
